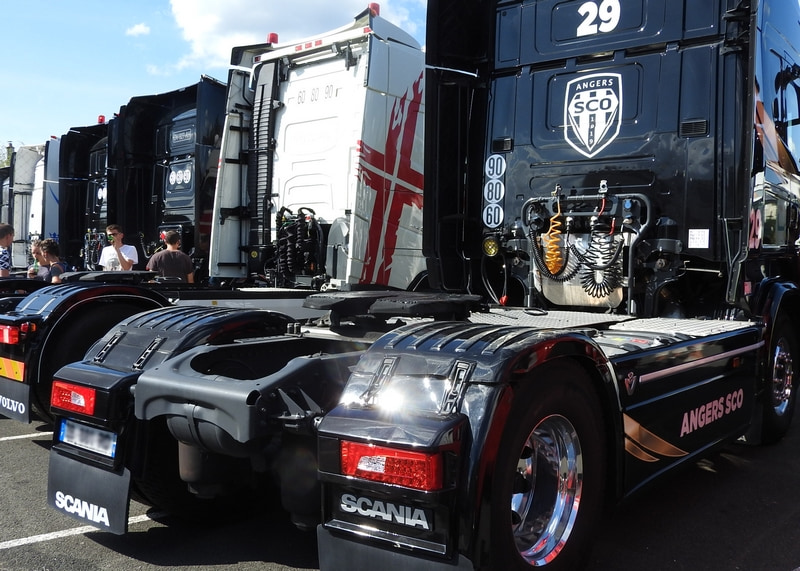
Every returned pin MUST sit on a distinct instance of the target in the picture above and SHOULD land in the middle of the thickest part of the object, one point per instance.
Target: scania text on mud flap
(641, 215)
(325, 136)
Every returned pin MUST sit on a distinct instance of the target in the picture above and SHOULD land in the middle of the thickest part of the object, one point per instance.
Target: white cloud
(212, 28)
(138, 30)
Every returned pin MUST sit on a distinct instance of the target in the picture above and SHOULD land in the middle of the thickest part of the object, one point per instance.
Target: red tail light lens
(9, 334)
(74, 398)
(420, 470)
(13, 334)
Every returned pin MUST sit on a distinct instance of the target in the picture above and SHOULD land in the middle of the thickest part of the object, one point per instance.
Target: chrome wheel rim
(547, 490)
(782, 376)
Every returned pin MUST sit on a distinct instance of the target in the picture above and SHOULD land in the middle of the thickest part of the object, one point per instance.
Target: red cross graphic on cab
(396, 185)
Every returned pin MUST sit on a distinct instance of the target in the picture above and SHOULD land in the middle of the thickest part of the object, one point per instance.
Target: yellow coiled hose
(553, 257)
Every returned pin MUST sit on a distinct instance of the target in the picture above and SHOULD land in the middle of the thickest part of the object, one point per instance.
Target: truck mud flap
(15, 399)
(88, 493)
(338, 553)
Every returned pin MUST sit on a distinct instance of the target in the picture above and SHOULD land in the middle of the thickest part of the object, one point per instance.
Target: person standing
(172, 262)
(47, 265)
(117, 256)
(6, 238)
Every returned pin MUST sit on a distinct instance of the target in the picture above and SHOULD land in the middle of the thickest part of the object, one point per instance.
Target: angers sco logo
(592, 112)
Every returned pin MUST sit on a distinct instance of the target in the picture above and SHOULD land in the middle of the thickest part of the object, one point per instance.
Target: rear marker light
(74, 398)
(9, 334)
(13, 334)
(419, 470)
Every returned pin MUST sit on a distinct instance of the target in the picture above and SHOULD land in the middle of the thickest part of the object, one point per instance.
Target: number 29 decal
(598, 17)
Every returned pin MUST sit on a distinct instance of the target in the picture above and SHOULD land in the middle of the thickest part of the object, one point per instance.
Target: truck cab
(622, 174)
(325, 136)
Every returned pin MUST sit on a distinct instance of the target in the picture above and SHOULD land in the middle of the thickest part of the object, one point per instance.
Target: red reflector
(72, 397)
(9, 334)
(420, 470)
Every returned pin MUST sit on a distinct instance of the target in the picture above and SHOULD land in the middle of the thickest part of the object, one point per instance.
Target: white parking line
(67, 533)
(34, 435)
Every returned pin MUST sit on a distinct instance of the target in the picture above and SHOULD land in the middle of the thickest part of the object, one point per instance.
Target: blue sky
(68, 61)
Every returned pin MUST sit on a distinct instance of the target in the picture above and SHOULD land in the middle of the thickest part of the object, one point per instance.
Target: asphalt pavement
(736, 510)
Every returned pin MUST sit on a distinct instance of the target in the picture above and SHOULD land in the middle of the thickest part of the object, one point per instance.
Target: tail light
(74, 398)
(419, 470)
(13, 334)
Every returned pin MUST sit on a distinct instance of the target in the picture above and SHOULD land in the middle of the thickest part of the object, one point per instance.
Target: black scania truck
(610, 222)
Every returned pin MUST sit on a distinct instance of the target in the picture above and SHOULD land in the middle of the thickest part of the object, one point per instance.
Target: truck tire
(781, 382)
(69, 344)
(160, 485)
(550, 472)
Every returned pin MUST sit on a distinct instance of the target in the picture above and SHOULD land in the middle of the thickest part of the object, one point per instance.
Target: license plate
(89, 438)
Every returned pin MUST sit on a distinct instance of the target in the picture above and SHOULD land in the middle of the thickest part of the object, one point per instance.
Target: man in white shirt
(117, 256)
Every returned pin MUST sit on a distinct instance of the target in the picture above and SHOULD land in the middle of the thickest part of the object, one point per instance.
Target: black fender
(774, 300)
(497, 360)
(114, 362)
(98, 309)
(773, 297)
(62, 321)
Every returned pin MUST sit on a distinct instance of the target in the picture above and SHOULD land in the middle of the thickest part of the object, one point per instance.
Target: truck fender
(76, 323)
(518, 385)
(504, 366)
(778, 304)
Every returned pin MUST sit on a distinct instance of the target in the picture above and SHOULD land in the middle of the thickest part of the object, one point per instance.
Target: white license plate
(88, 438)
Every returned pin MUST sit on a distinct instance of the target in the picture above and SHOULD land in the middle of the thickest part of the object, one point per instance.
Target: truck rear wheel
(550, 472)
(781, 382)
